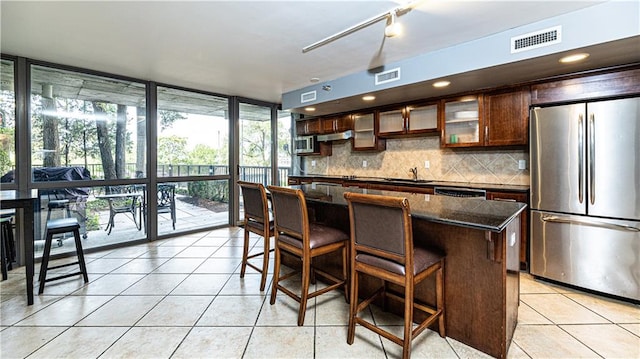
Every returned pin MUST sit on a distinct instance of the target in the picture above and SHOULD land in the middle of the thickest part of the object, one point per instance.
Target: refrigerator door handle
(558, 219)
(580, 159)
(592, 158)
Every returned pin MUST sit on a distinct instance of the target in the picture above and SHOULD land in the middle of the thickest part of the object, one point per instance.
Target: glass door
(255, 147)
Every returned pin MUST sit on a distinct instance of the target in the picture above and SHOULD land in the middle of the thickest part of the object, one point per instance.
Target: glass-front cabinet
(411, 120)
(365, 133)
(461, 122)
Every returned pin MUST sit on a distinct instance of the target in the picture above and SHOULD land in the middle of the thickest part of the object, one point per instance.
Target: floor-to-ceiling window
(192, 160)
(284, 151)
(88, 141)
(7, 120)
(131, 159)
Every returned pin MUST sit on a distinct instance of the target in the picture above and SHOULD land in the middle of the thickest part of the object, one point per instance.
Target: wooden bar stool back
(256, 220)
(298, 237)
(60, 226)
(382, 247)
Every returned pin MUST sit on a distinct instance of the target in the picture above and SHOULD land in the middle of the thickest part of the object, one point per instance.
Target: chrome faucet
(414, 171)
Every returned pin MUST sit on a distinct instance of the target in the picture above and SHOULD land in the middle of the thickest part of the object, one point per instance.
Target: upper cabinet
(497, 118)
(461, 122)
(506, 117)
(412, 120)
(308, 127)
(365, 133)
(601, 85)
(335, 124)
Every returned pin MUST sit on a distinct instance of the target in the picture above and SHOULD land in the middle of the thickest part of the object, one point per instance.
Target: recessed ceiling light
(574, 58)
(310, 109)
(314, 79)
(368, 98)
(441, 84)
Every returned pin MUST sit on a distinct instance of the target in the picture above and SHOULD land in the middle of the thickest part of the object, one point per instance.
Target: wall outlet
(313, 163)
(522, 164)
(427, 164)
(364, 163)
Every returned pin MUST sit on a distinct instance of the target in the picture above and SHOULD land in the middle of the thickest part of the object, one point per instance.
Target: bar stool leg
(80, 253)
(3, 253)
(45, 260)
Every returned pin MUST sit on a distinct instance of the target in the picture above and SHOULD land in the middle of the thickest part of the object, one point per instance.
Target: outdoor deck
(188, 217)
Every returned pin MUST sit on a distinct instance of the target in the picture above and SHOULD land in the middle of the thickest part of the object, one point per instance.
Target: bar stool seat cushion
(66, 224)
(422, 259)
(319, 236)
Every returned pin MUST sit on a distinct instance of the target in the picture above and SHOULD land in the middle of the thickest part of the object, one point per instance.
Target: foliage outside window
(7, 118)
(80, 120)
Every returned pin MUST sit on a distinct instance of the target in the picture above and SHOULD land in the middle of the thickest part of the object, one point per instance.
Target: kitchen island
(481, 240)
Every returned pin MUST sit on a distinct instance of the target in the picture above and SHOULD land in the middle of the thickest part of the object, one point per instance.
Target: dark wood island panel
(482, 244)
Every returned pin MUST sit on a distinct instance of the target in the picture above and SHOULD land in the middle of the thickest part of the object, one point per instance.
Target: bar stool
(296, 236)
(60, 226)
(384, 249)
(256, 220)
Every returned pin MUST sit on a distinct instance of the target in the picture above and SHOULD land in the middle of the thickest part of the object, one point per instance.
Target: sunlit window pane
(7, 121)
(193, 134)
(87, 121)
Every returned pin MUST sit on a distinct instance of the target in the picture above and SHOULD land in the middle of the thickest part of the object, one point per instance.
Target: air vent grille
(534, 40)
(308, 96)
(387, 76)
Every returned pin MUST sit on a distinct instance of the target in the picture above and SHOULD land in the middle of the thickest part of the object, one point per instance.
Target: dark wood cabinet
(499, 118)
(308, 127)
(506, 117)
(335, 124)
(587, 87)
(521, 197)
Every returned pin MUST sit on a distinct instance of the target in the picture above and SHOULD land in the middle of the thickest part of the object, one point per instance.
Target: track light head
(393, 27)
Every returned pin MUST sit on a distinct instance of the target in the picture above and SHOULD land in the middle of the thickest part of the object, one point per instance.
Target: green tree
(171, 150)
(255, 149)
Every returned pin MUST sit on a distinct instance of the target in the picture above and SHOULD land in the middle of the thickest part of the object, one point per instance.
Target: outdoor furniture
(298, 237)
(60, 226)
(123, 200)
(256, 220)
(167, 201)
(382, 247)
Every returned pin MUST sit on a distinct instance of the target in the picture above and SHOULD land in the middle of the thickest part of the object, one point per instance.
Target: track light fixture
(392, 29)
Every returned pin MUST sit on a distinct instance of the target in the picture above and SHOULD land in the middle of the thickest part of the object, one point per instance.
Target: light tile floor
(183, 298)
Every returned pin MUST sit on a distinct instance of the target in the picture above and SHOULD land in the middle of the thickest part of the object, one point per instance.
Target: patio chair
(167, 201)
(123, 199)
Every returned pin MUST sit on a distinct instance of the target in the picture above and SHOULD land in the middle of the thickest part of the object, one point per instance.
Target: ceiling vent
(534, 40)
(308, 96)
(388, 76)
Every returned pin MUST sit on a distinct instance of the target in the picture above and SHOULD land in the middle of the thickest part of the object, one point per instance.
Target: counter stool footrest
(65, 276)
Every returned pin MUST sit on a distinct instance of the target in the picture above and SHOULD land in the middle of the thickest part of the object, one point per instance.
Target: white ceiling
(251, 49)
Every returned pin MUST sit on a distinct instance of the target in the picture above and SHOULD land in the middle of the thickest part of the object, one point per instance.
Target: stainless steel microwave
(305, 144)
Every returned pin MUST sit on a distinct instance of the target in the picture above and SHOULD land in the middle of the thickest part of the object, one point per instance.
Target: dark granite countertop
(408, 182)
(465, 212)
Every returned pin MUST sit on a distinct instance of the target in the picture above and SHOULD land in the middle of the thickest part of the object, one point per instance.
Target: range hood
(336, 136)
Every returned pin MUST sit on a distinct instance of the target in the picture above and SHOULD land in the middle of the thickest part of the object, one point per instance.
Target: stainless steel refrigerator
(585, 195)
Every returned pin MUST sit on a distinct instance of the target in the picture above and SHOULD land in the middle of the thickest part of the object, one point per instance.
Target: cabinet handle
(486, 133)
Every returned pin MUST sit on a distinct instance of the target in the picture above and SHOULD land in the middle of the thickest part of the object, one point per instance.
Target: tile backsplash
(459, 165)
